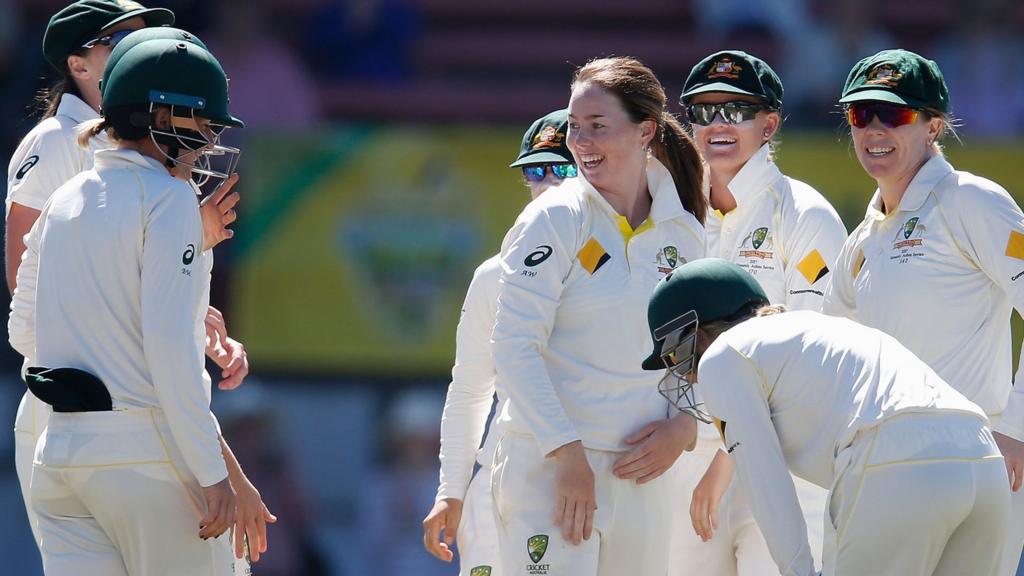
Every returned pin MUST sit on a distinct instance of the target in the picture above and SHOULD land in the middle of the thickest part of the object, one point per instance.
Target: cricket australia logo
(724, 68)
(757, 239)
(480, 571)
(667, 259)
(536, 547)
(911, 233)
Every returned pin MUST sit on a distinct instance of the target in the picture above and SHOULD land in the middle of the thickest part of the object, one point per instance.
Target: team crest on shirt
(480, 571)
(724, 68)
(667, 259)
(758, 244)
(909, 235)
(884, 74)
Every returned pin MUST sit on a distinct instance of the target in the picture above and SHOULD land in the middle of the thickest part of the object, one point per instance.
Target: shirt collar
(755, 176)
(665, 202)
(124, 157)
(927, 177)
(75, 108)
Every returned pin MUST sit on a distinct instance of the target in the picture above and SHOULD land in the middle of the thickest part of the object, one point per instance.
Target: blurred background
(375, 179)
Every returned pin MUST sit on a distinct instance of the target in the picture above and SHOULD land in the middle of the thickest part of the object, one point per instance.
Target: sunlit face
(894, 154)
(727, 147)
(186, 157)
(610, 149)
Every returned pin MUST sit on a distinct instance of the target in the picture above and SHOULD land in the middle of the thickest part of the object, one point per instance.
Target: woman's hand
(708, 495)
(251, 519)
(1013, 455)
(575, 495)
(445, 515)
(656, 447)
(218, 212)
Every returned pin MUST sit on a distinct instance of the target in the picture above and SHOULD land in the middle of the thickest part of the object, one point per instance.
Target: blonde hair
(90, 129)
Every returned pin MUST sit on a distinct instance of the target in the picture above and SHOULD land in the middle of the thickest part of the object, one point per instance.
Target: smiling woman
(934, 239)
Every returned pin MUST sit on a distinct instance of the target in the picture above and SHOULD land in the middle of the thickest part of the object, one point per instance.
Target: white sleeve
(48, 158)
(989, 227)
(471, 391)
(535, 263)
(172, 287)
(840, 294)
(734, 392)
(813, 245)
(21, 326)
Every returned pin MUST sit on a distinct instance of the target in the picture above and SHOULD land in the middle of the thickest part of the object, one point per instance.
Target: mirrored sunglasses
(110, 40)
(536, 172)
(859, 114)
(730, 112)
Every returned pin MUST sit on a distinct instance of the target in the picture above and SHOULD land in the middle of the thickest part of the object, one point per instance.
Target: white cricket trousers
(920, 494)
(113, 498)
(737, 548)
(632, 524)
(32, 416)
(1015, 539)
(477, 536)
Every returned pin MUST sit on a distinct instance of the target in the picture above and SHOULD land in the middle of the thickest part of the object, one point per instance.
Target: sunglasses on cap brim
(730, 112)
(110, 40)
(859, 114)
(537, 172)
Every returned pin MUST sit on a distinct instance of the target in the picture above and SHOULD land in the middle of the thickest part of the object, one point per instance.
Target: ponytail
(674, 148)
(90, 129)
(48, 99)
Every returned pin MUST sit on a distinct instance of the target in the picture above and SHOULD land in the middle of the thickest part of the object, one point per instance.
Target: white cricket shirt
(942, 274)
(472, 389)
(112, 283)
(793, 390)
(782, 231)
(49, 155)
(571, 329)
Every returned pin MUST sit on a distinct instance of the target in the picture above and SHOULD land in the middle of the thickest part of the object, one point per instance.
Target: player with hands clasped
(785, 234)
(577, 481)
(463, 508)
(131, 475)
(78, 42)
(917, 484)
(937, 261)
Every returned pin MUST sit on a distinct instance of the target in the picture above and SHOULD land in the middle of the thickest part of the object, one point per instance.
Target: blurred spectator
(249, 423)
(270, 86)
(402, 487)
(983, 62)
(363, 39)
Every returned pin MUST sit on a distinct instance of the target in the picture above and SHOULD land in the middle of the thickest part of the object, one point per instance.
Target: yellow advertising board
(355, 247)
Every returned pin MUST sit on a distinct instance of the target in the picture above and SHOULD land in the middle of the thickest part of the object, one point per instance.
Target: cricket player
(130, 475)
(463, 507)
(578, 480)
(937, 261)
(78, 42)
(785, 234)
(917, 484)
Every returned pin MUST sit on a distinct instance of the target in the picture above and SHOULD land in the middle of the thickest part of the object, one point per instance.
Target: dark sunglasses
(536, 172)
(859, 114)
(108, 40)
(731, 112)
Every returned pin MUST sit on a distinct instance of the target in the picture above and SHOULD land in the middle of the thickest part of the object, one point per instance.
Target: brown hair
(48, 99)
(643, 98)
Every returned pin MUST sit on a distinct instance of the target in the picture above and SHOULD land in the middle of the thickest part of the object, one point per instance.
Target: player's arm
(813, 243)
(251, 514)
(19, 221)
(840, 297)
(21, 326)
(735, 392)
(465, 410)
(172, 286)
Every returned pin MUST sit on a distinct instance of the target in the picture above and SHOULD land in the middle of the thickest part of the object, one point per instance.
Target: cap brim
(152, 16)
(876, 95)
(716, 87)
(542, 158)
